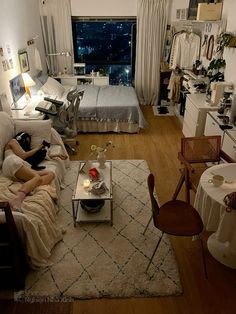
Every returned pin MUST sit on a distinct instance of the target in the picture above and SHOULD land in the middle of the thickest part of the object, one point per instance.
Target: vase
(101, 158)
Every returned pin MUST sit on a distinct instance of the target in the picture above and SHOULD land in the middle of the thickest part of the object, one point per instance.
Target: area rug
(102, 261)
(166, 109)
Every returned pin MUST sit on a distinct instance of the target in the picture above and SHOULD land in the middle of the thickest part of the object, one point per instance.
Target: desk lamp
(28, 82)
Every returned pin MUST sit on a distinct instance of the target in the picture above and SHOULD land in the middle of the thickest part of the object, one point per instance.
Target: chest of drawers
(212, 127)
(195, 115)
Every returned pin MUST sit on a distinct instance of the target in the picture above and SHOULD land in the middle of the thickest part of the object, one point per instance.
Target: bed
(103, 108)
(110, 108)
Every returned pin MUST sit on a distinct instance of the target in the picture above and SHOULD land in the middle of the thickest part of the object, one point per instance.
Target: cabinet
(228, 136)
(68, 79)
(229, 143)
(196, 109)
(212, 126)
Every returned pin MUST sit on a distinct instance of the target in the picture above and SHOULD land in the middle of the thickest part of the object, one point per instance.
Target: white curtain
(151, 28)
(57, 33)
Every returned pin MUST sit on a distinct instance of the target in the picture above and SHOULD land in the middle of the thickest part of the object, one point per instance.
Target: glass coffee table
(82, 194)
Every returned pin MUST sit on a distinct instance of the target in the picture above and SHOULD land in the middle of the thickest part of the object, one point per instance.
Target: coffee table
(82, 193)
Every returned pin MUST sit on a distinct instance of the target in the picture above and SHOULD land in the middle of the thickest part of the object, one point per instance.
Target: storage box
(209, 11)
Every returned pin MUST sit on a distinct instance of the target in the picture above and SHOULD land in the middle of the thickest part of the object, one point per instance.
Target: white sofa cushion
(39, 130)
(7, 132)
(53, 87)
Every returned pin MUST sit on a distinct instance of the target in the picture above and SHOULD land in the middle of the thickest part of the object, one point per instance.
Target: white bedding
(115, 104)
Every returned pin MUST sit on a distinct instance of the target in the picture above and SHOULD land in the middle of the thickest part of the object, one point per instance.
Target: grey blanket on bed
(111, 103)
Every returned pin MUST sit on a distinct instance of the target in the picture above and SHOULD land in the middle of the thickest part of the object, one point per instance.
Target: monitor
(17, 88)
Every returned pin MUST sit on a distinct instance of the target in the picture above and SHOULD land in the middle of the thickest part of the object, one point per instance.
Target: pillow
(39, 130)
(53, 87)
(6, 133)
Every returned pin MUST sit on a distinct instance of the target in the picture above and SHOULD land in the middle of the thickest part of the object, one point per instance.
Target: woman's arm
(19, 151)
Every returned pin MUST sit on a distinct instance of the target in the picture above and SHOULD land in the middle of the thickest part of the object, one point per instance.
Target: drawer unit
(189, 125)
(193, 112)
(212, 127)
(195, 115)
(187, 131)
(229, 144)
(69, 81)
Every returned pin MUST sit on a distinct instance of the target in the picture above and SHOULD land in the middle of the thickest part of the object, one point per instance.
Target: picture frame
(24, 61)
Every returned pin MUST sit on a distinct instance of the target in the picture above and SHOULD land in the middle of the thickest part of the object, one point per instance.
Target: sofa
(37, 230)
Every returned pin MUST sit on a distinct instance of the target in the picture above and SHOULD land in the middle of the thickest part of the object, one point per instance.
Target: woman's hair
(24, 139)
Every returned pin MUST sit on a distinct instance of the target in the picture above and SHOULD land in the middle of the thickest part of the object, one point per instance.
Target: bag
(209, 11)
(230, 201)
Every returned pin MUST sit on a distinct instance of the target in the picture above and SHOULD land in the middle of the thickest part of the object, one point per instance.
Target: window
(107, 46)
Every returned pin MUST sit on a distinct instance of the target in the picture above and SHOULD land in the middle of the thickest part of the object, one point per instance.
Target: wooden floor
(158, 144)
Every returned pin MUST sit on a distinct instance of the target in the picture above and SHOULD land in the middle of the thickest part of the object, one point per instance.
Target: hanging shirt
(186, 50)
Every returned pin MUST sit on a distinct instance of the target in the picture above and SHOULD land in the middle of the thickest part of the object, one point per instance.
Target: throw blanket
(37, 225)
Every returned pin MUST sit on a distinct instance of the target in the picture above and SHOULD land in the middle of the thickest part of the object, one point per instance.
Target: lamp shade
(28, 82)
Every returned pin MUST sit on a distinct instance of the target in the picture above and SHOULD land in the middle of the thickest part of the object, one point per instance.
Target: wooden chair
(176, 218)
(195, 153)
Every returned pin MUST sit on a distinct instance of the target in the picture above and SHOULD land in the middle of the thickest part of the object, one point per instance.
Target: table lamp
(28, 82)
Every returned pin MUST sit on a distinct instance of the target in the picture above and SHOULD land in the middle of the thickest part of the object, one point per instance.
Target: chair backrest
(155, 206)
(201, 149)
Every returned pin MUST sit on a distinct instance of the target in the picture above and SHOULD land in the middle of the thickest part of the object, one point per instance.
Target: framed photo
(24, 62)
(178, 14)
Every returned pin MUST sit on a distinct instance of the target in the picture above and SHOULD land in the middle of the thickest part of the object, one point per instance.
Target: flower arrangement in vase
(101, 153)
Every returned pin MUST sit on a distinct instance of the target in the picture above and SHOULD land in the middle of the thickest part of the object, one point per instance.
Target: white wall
(19, 22)
(104, 7)
(229, 10)
(177, 4)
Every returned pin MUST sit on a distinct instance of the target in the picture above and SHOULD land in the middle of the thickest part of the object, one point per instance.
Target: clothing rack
(186, 25)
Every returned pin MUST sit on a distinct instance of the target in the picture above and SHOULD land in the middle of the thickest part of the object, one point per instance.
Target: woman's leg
(46, 176)
(31, 179)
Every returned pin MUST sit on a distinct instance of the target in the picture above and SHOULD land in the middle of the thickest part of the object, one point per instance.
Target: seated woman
(15, 166)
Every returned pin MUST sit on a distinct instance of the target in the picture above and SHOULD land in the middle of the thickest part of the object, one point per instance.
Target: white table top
(228, 171)
(210, 205)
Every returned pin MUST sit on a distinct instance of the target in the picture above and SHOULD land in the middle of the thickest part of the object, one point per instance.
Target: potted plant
(215, 70)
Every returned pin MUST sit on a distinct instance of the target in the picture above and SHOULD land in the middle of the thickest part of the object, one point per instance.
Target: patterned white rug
(99, 260)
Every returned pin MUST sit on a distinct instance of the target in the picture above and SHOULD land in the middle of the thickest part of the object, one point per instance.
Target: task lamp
(28, 82)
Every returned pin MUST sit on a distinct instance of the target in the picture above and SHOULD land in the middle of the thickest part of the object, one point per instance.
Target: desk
(209, 203)
(28, 112)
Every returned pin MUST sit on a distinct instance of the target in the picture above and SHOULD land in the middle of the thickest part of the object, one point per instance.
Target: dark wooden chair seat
(179, 218)
(176, 218)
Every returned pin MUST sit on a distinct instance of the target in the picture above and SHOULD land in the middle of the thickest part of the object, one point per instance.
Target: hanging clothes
(185, 50)
(174, 86)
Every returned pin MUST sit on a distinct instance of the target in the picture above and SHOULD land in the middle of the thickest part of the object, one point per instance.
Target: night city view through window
(107, 47)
